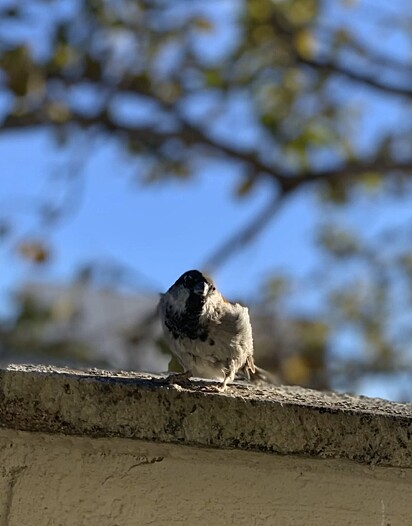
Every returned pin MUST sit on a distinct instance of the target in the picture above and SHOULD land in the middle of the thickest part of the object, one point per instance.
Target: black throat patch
(187, 324)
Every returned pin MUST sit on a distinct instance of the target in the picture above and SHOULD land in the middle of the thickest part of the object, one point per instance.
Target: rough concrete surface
(283, 420)
(57, 480)
(69, 454)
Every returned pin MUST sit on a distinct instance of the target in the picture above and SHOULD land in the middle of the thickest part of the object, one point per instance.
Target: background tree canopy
(312, 97)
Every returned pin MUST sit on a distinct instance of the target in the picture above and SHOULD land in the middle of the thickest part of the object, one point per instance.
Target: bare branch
(251, 158)
(356, 169)
(185, 131)
(357, 76)
(374, 57)
(246, 235)
(287, 31)
(191, 135)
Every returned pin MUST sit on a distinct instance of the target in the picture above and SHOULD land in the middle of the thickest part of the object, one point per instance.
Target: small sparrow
(209, 336)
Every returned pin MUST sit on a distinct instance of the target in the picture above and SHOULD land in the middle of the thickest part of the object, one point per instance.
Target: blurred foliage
(299, 73)
(30, 334)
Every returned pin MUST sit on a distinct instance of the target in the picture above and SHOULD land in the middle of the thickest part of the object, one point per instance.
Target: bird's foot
(215, 388)
(176, 378)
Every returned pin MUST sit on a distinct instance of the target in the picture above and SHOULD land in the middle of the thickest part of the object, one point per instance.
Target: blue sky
(159, 230)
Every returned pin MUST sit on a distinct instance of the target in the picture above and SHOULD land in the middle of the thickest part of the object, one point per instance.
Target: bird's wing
(235, 329)
(235, 320)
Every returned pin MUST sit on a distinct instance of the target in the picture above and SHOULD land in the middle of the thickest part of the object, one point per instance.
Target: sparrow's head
(194, 282)
(183, 305)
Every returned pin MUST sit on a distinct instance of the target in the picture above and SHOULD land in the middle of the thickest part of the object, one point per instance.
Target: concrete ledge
(282, 420)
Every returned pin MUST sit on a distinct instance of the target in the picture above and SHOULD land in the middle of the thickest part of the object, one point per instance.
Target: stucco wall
(280, 456)
(50, 480)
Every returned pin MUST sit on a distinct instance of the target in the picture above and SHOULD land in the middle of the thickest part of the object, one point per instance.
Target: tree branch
(285, 29)
(185, 131)
(355, 169)
(247, 234)
(368, 80)
(375, 58)
(191, 135)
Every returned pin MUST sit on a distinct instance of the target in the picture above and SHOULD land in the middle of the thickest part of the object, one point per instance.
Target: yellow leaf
(372, 180)
(305, 43)
(301, 12)
(203, 24)
(263, 33)
(58, 112)
(64, 55)
(260, 10)
(34, 251)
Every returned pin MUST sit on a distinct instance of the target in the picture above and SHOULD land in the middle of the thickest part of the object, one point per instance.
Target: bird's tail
(262, 376)
(259, 376)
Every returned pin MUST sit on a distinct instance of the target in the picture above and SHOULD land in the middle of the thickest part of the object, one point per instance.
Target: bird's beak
(201, 288)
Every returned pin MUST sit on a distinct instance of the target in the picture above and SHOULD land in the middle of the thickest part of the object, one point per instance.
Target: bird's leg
(222, 387)
(229, 377)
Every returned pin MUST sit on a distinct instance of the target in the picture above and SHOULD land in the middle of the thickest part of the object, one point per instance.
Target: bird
(209, 336)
